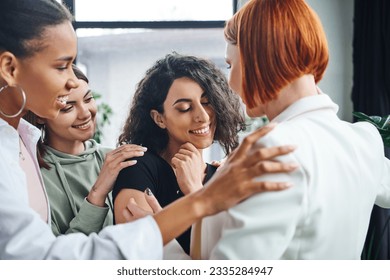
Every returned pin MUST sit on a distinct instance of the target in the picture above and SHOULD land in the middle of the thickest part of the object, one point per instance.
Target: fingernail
(123, 143)
(132, 162)
(148, 192)
(144, 149)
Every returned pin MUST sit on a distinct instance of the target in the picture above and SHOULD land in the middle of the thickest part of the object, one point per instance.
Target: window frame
(144, 24)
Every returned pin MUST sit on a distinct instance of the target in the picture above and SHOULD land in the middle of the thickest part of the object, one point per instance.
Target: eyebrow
(73, 102)
(65, 58)
(187, 100)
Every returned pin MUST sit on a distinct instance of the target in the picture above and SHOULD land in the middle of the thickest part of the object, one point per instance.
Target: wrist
(186, 190)
(96, 198)
(201, 205)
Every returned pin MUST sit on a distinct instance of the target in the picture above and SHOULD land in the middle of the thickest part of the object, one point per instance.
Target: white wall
(337, 20)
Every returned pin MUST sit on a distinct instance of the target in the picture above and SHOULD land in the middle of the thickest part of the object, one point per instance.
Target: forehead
(184, 88)
(60, 41)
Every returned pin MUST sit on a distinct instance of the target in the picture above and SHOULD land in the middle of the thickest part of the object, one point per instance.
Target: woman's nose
(73, 81)
(84, 111)
(201, 115)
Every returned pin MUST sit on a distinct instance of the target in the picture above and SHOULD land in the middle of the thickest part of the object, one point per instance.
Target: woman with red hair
(277, 53)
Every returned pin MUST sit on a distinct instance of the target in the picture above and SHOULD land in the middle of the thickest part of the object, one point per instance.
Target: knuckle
(262, 166)
(260, 153)
(247, 140)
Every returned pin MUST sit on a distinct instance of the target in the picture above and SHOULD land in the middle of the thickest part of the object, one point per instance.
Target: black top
(153, 172)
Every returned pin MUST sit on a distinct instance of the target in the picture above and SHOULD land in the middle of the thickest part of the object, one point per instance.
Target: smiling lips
(85, 125)
(204, 130)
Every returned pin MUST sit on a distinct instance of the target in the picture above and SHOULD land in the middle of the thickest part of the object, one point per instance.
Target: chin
(202, 146)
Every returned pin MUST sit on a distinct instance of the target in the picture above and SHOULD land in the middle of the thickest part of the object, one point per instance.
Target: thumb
(152, 201)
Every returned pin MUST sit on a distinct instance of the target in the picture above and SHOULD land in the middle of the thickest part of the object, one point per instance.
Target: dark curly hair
(152, 91)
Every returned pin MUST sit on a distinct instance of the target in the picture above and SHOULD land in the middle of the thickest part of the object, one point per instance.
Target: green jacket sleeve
(90, 218)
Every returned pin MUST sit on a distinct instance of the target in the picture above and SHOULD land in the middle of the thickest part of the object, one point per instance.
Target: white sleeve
(383, 197)
(24, 235)
(173, 251)
(263, 226)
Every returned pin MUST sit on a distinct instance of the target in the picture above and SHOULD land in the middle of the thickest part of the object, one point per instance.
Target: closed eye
(184, 110)
(89, 99)
(66, 109)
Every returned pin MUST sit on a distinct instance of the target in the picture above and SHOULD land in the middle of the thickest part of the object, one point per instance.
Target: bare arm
(122, 200)
(114, 162)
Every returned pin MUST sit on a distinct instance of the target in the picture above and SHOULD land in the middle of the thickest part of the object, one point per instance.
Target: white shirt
(325, 214)
(24, 235)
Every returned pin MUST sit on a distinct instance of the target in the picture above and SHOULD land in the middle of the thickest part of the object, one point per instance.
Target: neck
(71, 147)
(302, 87)
(14, 122)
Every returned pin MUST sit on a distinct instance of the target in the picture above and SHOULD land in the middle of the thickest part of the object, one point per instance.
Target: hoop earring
(43, 134)
(23, 103)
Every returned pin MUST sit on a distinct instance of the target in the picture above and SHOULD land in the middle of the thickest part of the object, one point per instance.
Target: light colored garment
(173, 251)
(68, 182)
(325, 214)
(36, 191)
(24, 235)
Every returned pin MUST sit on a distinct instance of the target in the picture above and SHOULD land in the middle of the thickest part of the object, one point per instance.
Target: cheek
(235, 82)
(93, 111)
(210, 111)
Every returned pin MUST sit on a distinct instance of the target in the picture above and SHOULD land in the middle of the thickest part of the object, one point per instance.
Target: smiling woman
(77, 172)
(181, 106)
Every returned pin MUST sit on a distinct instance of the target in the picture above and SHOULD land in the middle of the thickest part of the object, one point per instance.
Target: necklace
(21, 156)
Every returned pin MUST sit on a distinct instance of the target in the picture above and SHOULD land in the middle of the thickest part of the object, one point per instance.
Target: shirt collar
(29, 133)
(307, 104)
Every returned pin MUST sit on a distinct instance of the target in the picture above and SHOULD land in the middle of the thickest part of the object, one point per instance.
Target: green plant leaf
(104, 113)
(381, 123)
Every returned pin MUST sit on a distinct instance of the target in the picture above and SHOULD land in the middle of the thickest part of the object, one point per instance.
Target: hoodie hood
(53, 156)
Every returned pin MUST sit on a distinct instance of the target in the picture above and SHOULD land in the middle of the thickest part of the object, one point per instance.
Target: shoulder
(93, 145)
(149, 162)
(367, 131)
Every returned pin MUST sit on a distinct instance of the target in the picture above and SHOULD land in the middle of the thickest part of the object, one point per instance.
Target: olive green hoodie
(68, 183)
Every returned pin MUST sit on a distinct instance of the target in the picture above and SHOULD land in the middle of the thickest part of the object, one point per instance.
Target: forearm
(186, 211)
(90, 218)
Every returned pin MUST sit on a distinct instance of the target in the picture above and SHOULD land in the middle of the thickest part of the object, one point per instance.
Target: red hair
(279, 41)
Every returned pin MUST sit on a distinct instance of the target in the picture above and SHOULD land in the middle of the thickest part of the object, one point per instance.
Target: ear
(157, 118)
(8, 68)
